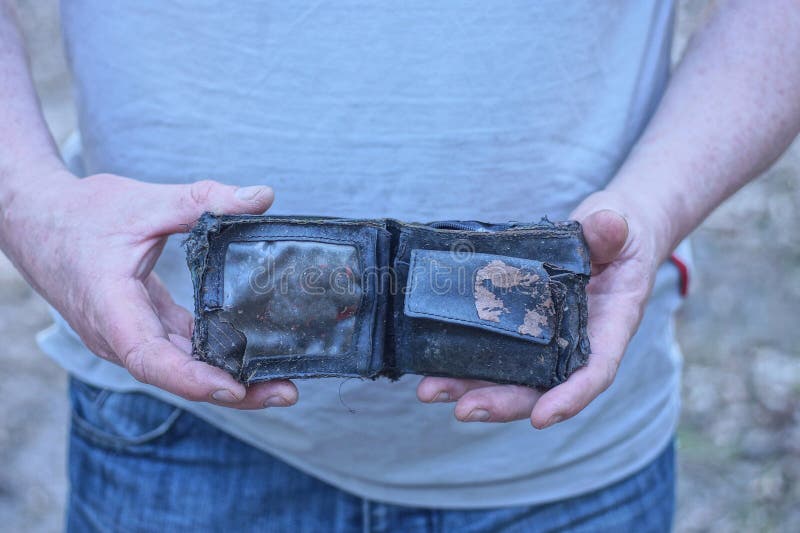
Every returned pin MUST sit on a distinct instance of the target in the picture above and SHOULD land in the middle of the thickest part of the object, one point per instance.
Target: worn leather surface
(301, 297)
(507, 295)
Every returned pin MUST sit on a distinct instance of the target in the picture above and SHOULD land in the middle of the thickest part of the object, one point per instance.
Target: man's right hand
(88, 246)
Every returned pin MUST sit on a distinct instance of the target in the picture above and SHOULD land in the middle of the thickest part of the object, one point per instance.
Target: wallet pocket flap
(507, 295)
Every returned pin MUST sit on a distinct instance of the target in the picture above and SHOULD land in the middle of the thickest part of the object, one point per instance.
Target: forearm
(731, 108)
(27, 150)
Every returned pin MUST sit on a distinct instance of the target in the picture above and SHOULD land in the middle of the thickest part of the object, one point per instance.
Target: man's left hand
(624, 256)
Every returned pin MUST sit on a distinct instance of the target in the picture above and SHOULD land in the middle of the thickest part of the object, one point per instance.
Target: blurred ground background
(739, 440)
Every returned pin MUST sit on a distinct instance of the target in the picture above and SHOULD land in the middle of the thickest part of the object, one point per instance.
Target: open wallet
(302, 297)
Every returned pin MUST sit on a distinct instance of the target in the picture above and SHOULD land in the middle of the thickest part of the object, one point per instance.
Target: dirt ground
(739, 439)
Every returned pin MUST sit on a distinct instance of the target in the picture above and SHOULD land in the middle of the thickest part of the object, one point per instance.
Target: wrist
(25, 197)
(24, 179)
(24, 170)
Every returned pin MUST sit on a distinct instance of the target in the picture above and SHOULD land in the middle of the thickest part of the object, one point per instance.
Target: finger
(149, 258)
(179, 206)
(276, 393)
(498, 403)
(138, 338)
(606, 232)
(176, 319)
(571, 397)
(435, 389)
(612, 321)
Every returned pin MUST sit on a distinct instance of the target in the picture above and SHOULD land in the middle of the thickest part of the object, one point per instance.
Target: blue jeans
(139, 464)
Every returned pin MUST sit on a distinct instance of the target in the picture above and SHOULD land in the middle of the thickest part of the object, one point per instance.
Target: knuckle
(135, 362)
(192, 386)
(193, 396)
(611, 367)
(568, 408)
(511, 415)
(202, 191)
(515, 406)
(505, 405)
(573, 409)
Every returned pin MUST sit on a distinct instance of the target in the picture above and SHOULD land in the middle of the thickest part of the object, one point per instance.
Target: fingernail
(555, 419)
(276, 401)
(478, 415)
(248, 193)
(224, 395)
(443, 396)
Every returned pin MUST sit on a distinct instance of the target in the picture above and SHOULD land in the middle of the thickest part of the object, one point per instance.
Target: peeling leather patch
(536, 319)
(502, 276)
(508, 295)
(488, 305)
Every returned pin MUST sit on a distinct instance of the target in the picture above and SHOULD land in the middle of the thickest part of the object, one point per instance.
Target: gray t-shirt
(415, 110)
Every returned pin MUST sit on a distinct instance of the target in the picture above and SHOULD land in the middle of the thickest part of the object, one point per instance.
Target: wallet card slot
(286, 298)
(292, 297)
(507, 295)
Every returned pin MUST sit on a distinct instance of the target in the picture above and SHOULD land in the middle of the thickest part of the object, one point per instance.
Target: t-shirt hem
(482, 496)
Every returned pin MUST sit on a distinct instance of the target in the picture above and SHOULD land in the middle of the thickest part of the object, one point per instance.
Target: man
(494, 111)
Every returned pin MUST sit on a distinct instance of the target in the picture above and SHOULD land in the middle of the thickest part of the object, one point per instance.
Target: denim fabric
(139, 464)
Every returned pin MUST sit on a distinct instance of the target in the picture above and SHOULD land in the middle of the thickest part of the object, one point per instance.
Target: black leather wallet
(301, 297)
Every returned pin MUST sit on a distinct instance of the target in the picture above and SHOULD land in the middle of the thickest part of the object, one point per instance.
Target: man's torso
(420, 111)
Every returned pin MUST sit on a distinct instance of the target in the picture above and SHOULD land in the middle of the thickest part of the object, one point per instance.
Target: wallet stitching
(498, 329)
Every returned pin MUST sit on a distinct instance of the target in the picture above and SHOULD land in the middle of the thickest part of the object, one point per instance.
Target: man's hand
(625, 256)
(88, 247)
(731, 107)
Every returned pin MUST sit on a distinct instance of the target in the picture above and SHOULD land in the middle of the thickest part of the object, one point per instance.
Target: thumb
(606, 232)
(185, 203)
